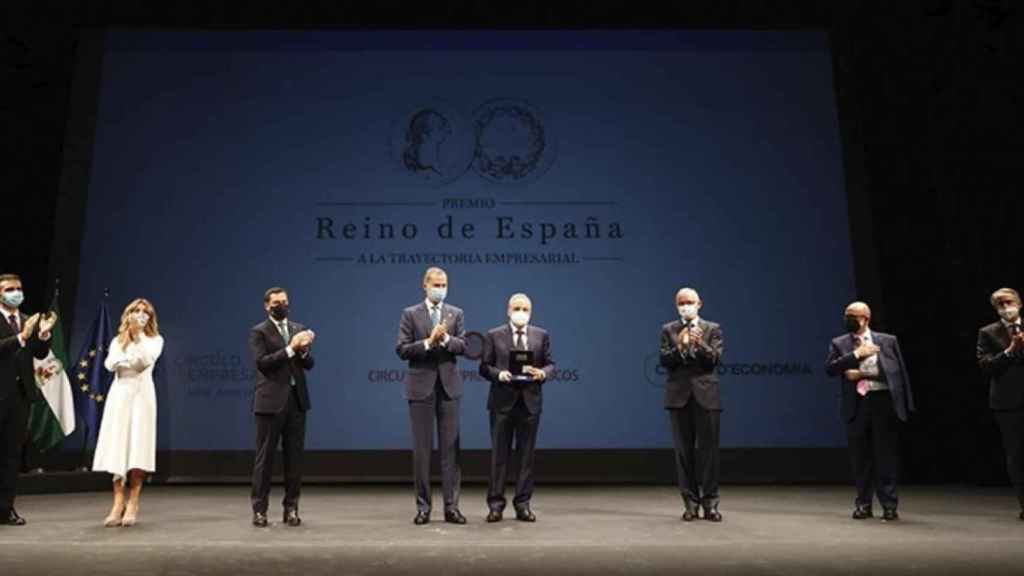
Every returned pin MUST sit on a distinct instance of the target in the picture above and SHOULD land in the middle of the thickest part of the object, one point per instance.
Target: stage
(580, 530)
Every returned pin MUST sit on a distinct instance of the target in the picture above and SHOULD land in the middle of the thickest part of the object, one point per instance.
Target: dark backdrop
(927, 97)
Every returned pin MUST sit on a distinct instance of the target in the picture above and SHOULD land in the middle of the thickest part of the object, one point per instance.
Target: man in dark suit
(281, 350)
(515, 404)
(1000, 353)
(430, 336)
(876, 397)
(21, 339)
(691, 349)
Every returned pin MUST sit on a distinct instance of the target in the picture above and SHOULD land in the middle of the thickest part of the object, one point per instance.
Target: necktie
(863, 386)
(283, 328)
(519, 340)
(435, 315)
(1014, 330)
(13, 321)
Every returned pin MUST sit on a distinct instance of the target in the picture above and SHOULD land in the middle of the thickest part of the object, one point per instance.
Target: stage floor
(580, 530)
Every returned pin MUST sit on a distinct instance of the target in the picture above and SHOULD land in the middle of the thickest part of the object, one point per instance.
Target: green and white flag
(52, 415)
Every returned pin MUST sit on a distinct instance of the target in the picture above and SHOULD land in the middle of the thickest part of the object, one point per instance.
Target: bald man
(691, 349)
(515, 403)
(876, 398)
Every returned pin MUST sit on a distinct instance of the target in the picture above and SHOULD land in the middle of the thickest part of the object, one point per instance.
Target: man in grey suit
(876, 397)
(691, 349)
(515, 404)
(430, 336)
(1000, 352)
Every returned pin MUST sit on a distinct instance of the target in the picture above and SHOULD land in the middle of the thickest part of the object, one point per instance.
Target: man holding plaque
(517, 361)
(430, 336)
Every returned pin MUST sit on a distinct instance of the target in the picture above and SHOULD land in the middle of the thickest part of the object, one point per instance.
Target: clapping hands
(302, 341)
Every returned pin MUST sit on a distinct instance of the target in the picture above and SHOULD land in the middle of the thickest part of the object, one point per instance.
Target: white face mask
(520, 318)
(688, 311)
(437, 295)
(1009, 313)
(13, 298)
(141, 319)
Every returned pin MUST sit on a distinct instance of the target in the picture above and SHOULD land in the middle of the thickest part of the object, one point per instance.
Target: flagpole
(82, 466)
(87, 430)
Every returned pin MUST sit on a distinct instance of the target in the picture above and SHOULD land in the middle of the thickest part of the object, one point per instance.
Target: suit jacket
(694, 373)
(275, 370)
(1005, 373)
(17, 374)
(426, 366)
(497, 345)
(890, 367)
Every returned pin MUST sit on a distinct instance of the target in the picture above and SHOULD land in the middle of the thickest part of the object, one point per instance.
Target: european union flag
(91, 380)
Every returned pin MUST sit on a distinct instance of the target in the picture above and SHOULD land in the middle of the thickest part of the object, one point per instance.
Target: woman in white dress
(126, 446)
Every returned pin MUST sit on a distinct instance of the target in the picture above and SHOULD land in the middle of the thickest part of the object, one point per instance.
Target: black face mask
(279, 312)
(852, 324)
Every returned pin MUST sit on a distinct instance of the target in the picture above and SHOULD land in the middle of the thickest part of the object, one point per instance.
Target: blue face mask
(13, 298)
(436, 295)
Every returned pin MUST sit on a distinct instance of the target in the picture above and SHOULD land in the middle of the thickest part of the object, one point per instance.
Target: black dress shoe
(524, 514)
(711, 513)
(259, 519)
(453, 516)
(690, 511)
(889, 515)
(12, 519)
(422, 517)
(494, 516)
(862, 513)
(291, 517)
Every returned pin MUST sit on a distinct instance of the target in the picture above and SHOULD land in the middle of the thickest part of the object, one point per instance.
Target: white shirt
(1008, 324)
(17, 321)
(525, 329)
(282, 326)
(695, 323)
(440, 314)
(869, 364)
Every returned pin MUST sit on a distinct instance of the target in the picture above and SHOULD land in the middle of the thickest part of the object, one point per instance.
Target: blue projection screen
(597, 171)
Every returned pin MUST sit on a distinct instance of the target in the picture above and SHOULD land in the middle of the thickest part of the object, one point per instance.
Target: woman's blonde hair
(152, 328)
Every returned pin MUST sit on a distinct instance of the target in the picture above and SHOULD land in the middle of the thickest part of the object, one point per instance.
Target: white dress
(127, 438)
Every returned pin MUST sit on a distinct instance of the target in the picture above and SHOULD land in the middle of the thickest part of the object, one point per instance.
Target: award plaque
(516, 361)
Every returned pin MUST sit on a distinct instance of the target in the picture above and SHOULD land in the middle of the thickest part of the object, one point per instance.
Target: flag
(52, 415)
(92, 380)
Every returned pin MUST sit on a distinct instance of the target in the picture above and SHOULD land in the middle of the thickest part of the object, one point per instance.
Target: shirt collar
(514, 329)
(430, 305)
(1008, 324)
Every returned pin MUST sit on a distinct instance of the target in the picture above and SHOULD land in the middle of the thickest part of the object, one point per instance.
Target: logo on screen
(507, 142)
(433, 143)
(513, 142)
